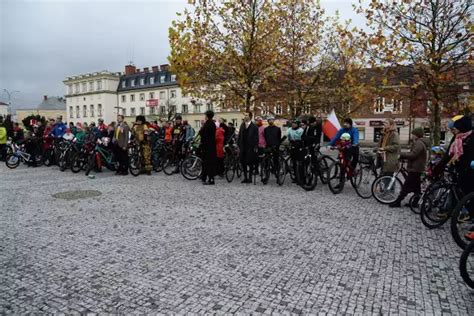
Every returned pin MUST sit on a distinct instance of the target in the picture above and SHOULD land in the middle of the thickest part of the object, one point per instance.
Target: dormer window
(124, 84)
(152, 80)
(162, 79)
(142, 81)
(133, 83)
(173, 78)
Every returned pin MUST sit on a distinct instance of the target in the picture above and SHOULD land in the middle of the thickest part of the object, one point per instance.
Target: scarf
(456, 150)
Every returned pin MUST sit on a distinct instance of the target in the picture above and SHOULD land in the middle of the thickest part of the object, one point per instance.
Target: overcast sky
(42, 42)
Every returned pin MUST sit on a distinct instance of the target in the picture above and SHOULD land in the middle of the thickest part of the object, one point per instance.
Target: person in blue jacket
(352, 153)
(59, 128)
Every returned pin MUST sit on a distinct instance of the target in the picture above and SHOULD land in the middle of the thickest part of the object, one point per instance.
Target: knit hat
(454, 119)
(464, 124)
(348, 121)
(418, 132)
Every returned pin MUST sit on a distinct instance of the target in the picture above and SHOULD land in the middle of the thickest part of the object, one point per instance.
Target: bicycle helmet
(438, 150)
(346, 137)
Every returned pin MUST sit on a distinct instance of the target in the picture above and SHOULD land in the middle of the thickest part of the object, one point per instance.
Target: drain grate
(77, 194)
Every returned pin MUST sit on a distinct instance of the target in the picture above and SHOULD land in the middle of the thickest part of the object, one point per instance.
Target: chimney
(164, 67)
(154, 68)
(45, 97)
(129, 69)
(145, 69)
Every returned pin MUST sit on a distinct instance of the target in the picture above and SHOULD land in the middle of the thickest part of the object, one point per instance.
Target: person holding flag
(352, 153)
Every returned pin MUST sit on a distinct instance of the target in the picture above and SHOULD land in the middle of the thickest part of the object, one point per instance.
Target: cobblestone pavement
(164, 244)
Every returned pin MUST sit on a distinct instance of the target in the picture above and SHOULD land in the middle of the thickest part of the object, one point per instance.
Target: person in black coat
(208, 149)
(248, 142)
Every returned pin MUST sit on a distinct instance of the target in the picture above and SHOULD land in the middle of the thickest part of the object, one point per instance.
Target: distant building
(92, 96)
(51, 107)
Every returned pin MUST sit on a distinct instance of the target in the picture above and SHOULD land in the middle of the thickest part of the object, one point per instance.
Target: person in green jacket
(389, 148)
(80, 134)
(3, 139)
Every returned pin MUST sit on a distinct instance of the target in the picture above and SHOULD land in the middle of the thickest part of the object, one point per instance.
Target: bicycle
(270, 164)
(17, 153)
(135, 158)
(369, 172)
(386, 189)
(191, 166)
(101, 153)
(232, 165)
(340, 171)
(466, 265)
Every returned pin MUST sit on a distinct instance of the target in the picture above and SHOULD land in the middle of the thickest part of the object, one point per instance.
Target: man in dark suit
(248, 142)
(208, 149)
(120, 141)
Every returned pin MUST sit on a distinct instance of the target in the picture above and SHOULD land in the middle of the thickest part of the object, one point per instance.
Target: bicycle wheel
(462, 220)
(466, 265)
(309, 180)
(290, 169)
(156, 161)
(324, 162)
(336, 178)
(76, 162)
(135, 165)
(191, 167)
(433, 210)
(365, 178)
(414, 203)
(230, 173)
(281, 171)
(90, 163)
(63, 161)
(386, 189)
(48, 158)
(169, 165)
(12, 161)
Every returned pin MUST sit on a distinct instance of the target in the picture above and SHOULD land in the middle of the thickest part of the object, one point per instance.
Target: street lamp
(9, 93)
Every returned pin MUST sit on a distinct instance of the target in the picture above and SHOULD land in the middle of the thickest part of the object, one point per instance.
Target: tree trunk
(436, 119)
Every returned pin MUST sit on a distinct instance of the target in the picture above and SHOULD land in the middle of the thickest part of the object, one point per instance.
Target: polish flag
(331, 126)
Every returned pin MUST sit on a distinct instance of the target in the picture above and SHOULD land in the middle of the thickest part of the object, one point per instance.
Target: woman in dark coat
(248, 142)
(208, 149)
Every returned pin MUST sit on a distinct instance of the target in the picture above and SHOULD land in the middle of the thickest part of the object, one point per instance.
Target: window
(142, 111)
(151, 95)
(306, 109)
(197, 123)
(91, 85)
(152, 80)
(132, 111)
(124, 98)
(397, 106)
(278, 109)
(361, 133)
(84, 111)
(99, 110)
(99, 84)
(264, 108)
(162, 95)
(76, 88)
(124, 112)
(84, 87)
(379, 105)
(133, 83)
(173, 94)
(132, 97)
(173, 108)
(184, 108)
(77, 111)
(162, 110)
(152, 110)
(197, 108)
(162, 79)
(124, 84)
(142, 96)
(71, 114)
(209, 107)
(92, 110)
(173, 77)
(69, 89)
(142, 81)
(234, 121)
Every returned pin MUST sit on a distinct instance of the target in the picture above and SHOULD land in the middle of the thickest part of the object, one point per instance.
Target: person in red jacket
(220, 137)
(47, 138)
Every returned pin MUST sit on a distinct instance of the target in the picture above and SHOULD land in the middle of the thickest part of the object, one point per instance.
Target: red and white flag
(331, 126)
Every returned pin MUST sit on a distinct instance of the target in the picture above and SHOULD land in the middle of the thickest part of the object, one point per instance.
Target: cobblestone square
(163, 244)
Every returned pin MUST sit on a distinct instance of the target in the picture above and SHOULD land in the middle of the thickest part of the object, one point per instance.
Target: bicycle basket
(366, 159)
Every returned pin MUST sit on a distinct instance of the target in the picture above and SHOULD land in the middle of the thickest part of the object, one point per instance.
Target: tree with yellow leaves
(225, 50)
(433, 36)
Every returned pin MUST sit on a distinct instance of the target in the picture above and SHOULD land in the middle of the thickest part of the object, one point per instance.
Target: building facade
(92, 96)
(3, 109)
(155, 93)
(50, 107)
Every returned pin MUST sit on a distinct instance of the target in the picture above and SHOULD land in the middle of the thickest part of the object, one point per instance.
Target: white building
(3, 109)
(92, 96)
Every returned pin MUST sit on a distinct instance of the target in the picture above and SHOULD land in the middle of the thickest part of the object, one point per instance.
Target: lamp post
(9, 93)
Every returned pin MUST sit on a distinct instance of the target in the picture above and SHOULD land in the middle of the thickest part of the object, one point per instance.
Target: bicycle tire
(135, 165)
(466, 273)
(380, 193)
(14, 163)
(90, 163)
(310, 175)
(429, 217)
(414, 204)
(76, 163)
(458, 230)
(336, 178)
(281, 171)
(265, 171)
(48, 158)
(367, 177)
(229, 174)
(324, 162)
(191, 167)
(169, 166)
